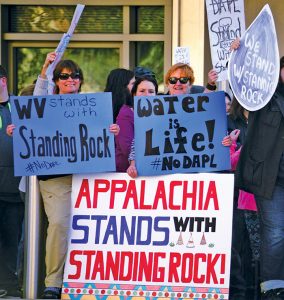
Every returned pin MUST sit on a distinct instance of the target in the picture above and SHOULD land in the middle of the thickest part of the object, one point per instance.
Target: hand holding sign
(63, 45)
(50, 57)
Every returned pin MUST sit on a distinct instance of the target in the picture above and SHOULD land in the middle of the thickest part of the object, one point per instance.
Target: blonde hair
(187, 70)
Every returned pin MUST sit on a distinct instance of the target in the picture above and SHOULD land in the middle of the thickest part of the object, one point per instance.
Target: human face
(146, 88)
(228, 104)
(130, 84)
(69, 85)
(178, 88)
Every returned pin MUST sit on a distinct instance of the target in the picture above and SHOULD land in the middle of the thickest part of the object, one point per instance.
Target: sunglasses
(65, 76)
(182, 80)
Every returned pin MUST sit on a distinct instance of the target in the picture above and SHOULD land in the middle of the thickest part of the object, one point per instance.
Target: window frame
(126, 38)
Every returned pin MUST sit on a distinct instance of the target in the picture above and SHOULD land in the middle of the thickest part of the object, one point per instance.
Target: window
(40, 19)
(90, 60)
(106, 37)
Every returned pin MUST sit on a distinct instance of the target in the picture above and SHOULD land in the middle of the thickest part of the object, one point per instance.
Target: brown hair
(28, 90)
(69, 65)
(187, 70)
(3, 72)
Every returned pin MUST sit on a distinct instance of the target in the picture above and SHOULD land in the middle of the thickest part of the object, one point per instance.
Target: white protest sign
(62, 46)
(254, 66)
(164, 236)
(226, 22)
(181, 55)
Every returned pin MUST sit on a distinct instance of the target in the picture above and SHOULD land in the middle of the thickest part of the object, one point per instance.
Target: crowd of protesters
(256, 146)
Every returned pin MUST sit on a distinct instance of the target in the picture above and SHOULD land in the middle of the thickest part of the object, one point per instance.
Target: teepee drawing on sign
(190, 243)
(180, 239)
(203, 240)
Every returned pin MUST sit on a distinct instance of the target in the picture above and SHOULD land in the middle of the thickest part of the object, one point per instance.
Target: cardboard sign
(254, 67)
(180, 134)
(62, 134)
(226, 22)
(166, 236)
(63, 45)
(181, 55)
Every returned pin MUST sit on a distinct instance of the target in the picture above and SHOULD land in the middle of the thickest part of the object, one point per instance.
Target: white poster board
(181, 55)
(226, 22)
(166, 236)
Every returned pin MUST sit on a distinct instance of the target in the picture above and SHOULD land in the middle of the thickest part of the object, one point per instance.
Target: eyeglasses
(65, 76)
(182, 80)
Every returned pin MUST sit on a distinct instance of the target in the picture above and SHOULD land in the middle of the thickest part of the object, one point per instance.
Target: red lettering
(160, 195)
(112, 265)
(158, 272)
(98, 266)
(131, 194)
(187, 267)
(123, 262)
(146, 266)
(89, 254)
(201, 188)
(142, 204)
(100, 186)
(76, 263)
(198, 257)
(191, 195)
(173, 184)
(210, 273)
(117, 186)
(174, 263)
(211, 195)
(84, 193)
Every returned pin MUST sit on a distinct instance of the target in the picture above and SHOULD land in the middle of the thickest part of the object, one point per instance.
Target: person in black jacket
(261, 171)
(11, 204)
(244, 279)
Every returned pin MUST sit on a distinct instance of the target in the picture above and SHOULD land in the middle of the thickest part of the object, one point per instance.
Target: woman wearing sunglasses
(143, 86)
(56, 189)
(180, 78)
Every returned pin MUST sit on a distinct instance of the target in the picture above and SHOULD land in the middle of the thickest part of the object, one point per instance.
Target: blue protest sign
(180, 134)
(62, 134)
(254, 66)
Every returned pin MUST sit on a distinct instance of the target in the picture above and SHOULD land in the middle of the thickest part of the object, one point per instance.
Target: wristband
(211, 87)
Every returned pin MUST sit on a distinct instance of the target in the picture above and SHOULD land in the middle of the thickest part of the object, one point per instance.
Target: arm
(41, 87)
(235, 44)
(114, 128)
(234, 155)
(211, 85)
(125, 120)
(132, 171)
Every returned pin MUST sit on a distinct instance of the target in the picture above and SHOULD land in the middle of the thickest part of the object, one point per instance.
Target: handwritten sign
(151, 237)
(181, 55)
(62, 134)
(254, 67)
(180, 134)
(226, 22)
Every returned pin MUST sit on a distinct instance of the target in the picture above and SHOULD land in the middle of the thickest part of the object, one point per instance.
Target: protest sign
(180, 134)
(254, 66)
(181, 55)
(63, 45)
(166, 236)
(226, 22)
(62, 134)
